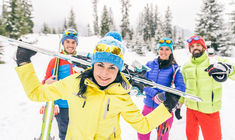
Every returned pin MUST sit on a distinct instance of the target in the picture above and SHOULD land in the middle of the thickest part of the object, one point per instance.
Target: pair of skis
(133, 74)
(48, 111)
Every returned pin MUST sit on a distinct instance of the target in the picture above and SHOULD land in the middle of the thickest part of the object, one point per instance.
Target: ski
(133, 74)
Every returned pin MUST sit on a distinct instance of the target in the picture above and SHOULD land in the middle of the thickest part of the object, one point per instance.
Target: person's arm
(50, 66)
(144, 124)
(38, 92)
(148, 90)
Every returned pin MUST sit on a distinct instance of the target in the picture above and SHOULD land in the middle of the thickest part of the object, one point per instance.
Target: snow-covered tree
(140, 24)
(89, 30)
(125, 24)
(167, 24)
(159, 33)
(95, 14)
(65, 25)
(179, 41)
(210, 24)
(111, 20)
(53, 31)
(71, 21)
(18, 18)
(147, 23)
(27, 6)
(46, 29)
(105, 22)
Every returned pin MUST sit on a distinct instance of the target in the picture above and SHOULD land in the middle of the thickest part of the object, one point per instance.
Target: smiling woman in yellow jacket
(97, 97)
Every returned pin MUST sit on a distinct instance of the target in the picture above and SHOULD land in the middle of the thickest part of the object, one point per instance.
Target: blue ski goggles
(71, 32)
(194, 38)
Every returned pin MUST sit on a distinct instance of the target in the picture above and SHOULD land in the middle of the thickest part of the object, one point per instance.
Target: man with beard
(204, 80)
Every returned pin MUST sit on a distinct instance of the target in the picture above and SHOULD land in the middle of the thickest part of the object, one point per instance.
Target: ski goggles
(71, 33)
(167, 41)
(109, 49)
(194, 38)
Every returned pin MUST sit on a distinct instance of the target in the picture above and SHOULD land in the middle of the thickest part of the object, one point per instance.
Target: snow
(20, 118)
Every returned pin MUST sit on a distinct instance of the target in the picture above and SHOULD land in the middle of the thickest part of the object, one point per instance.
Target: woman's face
(164, 53)
(105, 73)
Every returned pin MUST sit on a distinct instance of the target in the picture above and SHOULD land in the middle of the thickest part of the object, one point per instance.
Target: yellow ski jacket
(97, 116)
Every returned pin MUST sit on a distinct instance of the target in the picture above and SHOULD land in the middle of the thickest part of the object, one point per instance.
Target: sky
(53, 12)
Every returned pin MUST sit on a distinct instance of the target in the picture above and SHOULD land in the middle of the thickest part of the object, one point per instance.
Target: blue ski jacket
(164, 77)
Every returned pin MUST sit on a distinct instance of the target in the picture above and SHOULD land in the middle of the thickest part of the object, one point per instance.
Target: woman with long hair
(164, 71)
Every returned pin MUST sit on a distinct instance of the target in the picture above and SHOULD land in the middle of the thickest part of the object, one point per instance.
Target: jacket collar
(199, 59)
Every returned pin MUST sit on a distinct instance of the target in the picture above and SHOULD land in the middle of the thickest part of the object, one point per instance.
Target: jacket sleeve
(36, 91)
(144, 124)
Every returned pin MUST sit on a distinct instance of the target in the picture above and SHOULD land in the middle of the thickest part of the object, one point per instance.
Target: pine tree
(179, 41)
(46, 29)
(152, 24)
(27, 6)
(88, 30)
(53, 31)
(105, 22)
(111, 20)
(140, 25)
(71, 21)
(146, 29)
(159, 33)
(65, 26)
(125, 18)
(156, 19)
(210, 24)
(167, 24)
(18, 18)
(96, 21)
(3, 21)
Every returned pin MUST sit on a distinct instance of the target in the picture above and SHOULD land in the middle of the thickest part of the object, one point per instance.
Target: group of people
(91, 102)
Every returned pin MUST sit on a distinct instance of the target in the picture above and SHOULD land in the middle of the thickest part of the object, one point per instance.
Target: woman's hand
(51, 80)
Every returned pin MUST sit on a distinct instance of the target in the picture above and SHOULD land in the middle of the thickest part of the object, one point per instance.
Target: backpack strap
(175, 71)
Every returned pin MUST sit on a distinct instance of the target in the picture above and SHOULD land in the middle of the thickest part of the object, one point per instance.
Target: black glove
(24, 55)
(171, 100)
(219, 71)
(138, 85)
(177, 114)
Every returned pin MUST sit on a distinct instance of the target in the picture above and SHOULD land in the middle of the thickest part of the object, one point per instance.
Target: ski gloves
(219, 71)
(24, 55)
(177, 111)
(168, 99)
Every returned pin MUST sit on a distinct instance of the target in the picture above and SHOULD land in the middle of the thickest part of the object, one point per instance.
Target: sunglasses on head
(194, 38)
(110, 49)
(167, 41)
(71, 33)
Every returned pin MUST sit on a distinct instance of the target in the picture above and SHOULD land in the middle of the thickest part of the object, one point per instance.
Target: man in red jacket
(69, 41)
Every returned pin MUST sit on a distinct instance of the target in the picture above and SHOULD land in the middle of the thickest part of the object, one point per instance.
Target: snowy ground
(20, 118)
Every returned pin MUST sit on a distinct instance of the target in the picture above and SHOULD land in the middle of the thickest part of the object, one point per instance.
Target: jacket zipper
(107, 108)
(84, 103)
(196, 86)
(114, 133)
